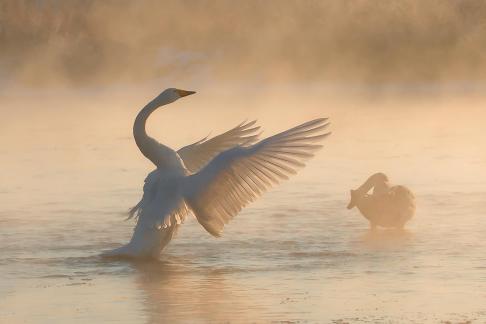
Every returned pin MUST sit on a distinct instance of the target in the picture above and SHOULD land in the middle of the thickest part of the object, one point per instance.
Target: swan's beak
(351, 205)
(184, 93)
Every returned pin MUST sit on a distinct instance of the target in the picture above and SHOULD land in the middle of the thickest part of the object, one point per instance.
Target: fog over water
(361, 41)
(401, 81)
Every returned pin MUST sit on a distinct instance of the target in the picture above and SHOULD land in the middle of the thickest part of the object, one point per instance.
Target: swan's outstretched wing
(160, 209)
(197, 155)
(239, 175)
(149, 191)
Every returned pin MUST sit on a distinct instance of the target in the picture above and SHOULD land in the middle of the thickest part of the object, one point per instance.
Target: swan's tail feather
(146, 243)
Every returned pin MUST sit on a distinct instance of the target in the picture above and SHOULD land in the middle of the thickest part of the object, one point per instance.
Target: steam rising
(83, 41)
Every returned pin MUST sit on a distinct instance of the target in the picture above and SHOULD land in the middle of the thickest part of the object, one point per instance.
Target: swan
(387, 206)
(213, 179)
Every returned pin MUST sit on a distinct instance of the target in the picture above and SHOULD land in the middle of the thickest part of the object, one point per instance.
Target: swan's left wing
(197, 155)
(177, 215)
(239, 175)
(149, 191)
(165, 209)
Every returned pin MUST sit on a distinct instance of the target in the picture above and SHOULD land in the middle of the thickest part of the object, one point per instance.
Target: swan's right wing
(198, 154)
(239, 175)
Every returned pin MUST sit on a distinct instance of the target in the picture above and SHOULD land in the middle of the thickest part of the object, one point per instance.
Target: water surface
(297, 255)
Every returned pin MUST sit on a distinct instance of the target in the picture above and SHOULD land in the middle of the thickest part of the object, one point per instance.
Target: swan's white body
(387, 206)
(213, 179)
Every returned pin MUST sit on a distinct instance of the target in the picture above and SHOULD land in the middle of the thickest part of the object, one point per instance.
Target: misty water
(70, 171)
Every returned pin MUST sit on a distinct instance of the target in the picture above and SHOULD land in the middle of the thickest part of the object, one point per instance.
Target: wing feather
(198, 154)
(241, 174)
(154, 210)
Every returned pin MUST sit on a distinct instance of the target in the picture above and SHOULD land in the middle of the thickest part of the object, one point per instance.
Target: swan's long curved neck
(139, 131)
(149, 147)
(375, 180)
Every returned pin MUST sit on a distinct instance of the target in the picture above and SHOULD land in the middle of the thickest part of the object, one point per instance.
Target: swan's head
(379, 177)
(171, 95)
(355, 195)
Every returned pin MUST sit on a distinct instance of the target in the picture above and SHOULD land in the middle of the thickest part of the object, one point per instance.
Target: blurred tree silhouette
(81, 41)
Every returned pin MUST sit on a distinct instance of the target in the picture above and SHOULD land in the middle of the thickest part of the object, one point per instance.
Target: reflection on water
(172, 291)
(387, 238)
(298, 255)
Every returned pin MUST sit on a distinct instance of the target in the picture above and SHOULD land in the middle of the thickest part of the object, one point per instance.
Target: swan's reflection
(386, 238)
(178, 291)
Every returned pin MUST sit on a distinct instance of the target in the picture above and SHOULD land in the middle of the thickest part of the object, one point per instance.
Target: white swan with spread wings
(212, 178)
